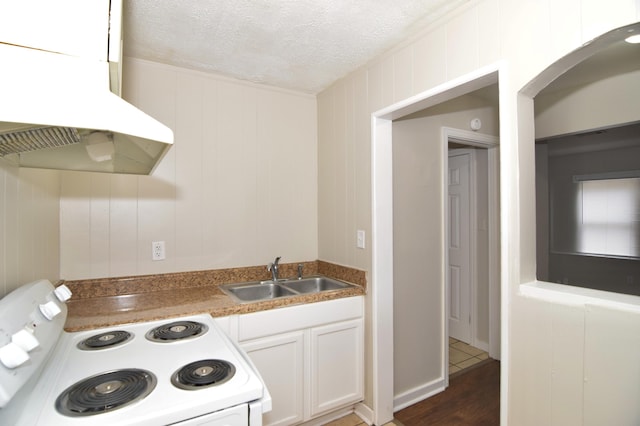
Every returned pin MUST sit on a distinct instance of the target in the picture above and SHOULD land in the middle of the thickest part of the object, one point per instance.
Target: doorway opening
(472, 253)
(382, 273)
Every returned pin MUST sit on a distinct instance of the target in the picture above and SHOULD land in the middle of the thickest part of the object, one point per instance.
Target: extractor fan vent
(39, 138)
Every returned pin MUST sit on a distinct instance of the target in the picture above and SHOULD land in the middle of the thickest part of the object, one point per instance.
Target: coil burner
(105, 392)
(203, 374)
(178, 330)
(105, 340)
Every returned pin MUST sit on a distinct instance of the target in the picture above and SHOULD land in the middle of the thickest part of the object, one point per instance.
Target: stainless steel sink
(269, 290)
(253, 292)
(314, 285)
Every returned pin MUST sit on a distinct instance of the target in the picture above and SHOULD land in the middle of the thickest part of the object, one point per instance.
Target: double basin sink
(269, 290)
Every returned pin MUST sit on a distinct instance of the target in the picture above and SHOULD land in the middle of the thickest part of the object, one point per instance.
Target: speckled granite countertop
(106, 302)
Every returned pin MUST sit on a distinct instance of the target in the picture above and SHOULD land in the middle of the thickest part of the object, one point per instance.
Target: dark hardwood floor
(472, 398)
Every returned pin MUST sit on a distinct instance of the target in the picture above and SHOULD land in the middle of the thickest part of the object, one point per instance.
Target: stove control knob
(25, 340)
(12, 355)
(62, 293)
(50, 310)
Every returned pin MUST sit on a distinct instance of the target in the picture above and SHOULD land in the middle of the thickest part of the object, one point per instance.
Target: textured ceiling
(302, 45)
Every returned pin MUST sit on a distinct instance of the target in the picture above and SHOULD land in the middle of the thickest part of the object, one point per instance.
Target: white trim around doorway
(382, 226)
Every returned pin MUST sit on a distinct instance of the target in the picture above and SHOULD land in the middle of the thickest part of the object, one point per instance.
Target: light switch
(360, 239)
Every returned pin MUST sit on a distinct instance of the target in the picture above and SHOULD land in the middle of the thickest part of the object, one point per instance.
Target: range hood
(57, 112)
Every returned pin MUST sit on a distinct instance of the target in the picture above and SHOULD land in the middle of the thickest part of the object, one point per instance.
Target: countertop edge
(143, 302)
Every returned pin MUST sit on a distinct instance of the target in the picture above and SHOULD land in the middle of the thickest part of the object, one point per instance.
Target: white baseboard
(327, 418)
(418, 394)
(481, 345)
(364, 412)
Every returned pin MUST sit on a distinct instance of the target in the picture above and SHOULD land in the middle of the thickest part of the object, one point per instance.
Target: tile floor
(461, 356)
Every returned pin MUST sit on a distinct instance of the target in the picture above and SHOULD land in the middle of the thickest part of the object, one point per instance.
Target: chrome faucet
(273, 267)
(300, 266)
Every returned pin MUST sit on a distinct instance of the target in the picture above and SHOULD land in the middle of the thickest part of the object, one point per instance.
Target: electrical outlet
(360, 239)
(157, 250)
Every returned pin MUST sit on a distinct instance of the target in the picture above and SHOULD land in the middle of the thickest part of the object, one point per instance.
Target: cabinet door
(279, 359)
(336, 362)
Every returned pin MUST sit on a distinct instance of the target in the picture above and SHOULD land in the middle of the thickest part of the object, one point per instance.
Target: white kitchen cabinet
(336, 366)
(279, 359)
(310, 356)
(73, 27)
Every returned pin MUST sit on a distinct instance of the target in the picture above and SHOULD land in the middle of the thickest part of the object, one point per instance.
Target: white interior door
(459, 246)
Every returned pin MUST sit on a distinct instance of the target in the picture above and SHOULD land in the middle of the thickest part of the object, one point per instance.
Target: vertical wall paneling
(98, 195)
(403, 73)
(272, 193)
(234, 206)
(374, 88)
(462, 38)
(47, 220)
(350, 169)
(3, 231)
(388, 81)
(29, 226)
(611, 367)
(124, 250)
(326, 177)
(37, 225)
(532, 406)
(430, 60)
(188, 245)
(488, 19)
(565, 20)
(210, 178)
(340, 171)
(154, 89)
(238, 187)
(362, 167)
(26, 229)
(76, 210)
(11, 235)
(567, 369)
(525, 24)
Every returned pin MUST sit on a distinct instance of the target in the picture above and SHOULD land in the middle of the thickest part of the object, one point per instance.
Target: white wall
(418, 262)
(557, 352)
(238, 187)
(29, 227)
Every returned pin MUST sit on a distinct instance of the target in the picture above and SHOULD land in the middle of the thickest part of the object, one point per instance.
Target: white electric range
(174, 371)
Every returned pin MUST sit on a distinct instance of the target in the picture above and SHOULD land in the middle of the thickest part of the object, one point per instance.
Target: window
(608, 222)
